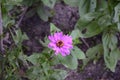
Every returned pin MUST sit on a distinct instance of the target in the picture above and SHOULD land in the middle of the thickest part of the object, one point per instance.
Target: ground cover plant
(59, 47)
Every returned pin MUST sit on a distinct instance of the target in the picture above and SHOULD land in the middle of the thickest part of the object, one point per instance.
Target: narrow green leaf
(116, 17)
(53, 28)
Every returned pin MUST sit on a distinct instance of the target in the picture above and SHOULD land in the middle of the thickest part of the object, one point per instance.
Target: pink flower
(60, 43)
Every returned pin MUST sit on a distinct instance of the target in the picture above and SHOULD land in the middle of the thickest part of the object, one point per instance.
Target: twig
(22, 16)
(1, 45)
(6, 38)
(85, 42)
(1, 31)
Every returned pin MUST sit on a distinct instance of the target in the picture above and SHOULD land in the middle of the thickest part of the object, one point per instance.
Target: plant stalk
(1, 31)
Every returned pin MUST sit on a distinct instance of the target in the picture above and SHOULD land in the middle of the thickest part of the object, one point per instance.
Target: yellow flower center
(60, 44)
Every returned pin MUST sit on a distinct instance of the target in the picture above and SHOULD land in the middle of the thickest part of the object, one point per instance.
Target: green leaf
(34, 73)
(27, 2)
(117, 13)
(101, 5)
(45, 42)
(53, 28)
(111, 52)
(14, 2)
(111, 59)
(73, 3)
(7, 21)
(116, 17)
(1, 57)
(104, 21)
(46, 67)
(93, 5)
(43, 13)
(88, 25)
(75, 34)
(68, 61)
(49, 3)
(18, 37)
(61, 74)
(78, 53)
(110, 40)
(84, 6)
(118, 26)
(33, 58)
(93, 53)
(30, 13)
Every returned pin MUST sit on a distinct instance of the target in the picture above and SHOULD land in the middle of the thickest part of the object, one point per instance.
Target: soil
(95, 72)
(65, 18)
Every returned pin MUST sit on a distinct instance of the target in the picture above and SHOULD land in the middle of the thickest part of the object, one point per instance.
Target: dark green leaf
(28, 2)
(30, 13)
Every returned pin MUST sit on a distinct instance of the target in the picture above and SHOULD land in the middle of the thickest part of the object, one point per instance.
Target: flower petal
(51, 38)
(51, 45)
